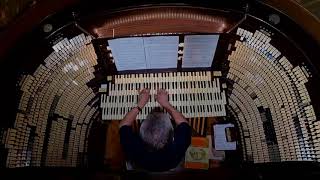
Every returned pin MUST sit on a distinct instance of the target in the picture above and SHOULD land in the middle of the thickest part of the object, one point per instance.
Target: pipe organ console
(195, 94)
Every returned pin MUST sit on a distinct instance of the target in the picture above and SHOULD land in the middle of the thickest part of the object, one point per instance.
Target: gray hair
(156, 130)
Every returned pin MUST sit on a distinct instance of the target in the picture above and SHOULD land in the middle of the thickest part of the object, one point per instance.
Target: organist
(158, 146)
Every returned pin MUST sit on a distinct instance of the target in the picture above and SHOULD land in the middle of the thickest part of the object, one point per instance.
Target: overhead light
(274, 18)
(47, 28)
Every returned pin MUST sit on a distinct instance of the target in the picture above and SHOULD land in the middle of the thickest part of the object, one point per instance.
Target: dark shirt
(161, 160)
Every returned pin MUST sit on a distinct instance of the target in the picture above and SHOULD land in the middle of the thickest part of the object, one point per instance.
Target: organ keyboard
(194, 94)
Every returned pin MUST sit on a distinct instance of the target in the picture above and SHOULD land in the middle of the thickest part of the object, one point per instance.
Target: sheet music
(199, 50)
(136, 53)
(220, 139)
(128, 53)
(161, 51)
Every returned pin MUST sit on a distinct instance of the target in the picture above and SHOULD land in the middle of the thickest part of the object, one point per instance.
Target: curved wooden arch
(165, 20)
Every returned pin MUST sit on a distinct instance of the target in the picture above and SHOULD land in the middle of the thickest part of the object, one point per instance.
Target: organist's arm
(162, 98)
(130, 117)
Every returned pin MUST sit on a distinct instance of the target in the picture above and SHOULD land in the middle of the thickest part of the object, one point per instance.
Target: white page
(161, 51)
(220, 139)
(128, 53)
(138, 53)
(199, 50)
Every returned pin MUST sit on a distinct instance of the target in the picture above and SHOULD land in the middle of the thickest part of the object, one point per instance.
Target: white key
(152, 79)
(171, 77)
(102, 100)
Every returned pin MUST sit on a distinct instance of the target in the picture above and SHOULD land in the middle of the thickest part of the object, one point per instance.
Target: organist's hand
(162, 98)
(144, 96)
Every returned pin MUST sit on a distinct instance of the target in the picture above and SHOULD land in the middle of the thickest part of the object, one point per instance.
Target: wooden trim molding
(159, 20)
